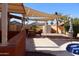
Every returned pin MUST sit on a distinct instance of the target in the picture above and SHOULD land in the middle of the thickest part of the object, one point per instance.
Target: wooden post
(23, 23)
(45, 28)
(64, 28)
(57, 25)
(4, 22)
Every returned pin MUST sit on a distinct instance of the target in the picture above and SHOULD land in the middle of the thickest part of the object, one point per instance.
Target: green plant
(75, 23)
(33, 27)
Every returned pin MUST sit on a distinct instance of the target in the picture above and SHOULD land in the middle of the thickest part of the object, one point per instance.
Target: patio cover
(34, 13)
(15, 8)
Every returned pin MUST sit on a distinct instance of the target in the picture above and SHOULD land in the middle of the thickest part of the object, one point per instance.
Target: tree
(75, 23)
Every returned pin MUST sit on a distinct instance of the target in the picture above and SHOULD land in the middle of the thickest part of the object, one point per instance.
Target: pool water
(73, 48)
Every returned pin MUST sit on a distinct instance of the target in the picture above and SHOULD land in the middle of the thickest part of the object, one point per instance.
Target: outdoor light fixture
(56, 13)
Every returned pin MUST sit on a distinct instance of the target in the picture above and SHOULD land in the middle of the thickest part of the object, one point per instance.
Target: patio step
(56, 36)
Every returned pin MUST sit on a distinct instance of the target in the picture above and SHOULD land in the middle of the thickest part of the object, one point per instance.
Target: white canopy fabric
(38, 23)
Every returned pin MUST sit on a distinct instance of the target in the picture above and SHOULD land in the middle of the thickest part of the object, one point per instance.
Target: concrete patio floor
(49, 45)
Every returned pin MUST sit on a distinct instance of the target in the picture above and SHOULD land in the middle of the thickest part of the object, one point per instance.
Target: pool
(73, 48)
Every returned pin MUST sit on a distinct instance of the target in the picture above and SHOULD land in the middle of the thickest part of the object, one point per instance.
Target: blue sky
(63, 8)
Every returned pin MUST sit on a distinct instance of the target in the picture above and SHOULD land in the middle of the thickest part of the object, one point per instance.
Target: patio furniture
(39, 32)
(15, 47)
(31, 33)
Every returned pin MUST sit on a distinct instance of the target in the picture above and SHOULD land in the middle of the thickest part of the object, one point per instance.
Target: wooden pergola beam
(35, 13)
(14, 8)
